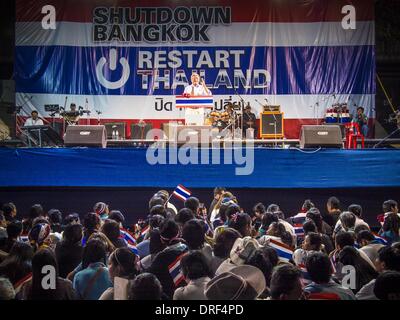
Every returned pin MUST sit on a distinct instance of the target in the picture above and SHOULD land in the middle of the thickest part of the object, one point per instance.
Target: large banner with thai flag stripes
(129, 59)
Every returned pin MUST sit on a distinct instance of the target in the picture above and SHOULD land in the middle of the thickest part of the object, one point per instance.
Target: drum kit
(224, 119)
(338, 113)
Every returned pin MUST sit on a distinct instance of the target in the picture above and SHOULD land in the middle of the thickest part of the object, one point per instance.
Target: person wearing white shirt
(34, 120)
(198, 87)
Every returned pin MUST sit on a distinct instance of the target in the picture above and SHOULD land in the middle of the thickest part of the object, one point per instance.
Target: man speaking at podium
(196, 115)
(197, 88)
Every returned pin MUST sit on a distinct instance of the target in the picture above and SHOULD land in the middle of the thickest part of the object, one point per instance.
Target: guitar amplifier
(85, 136)
(267, 125)
(327, 136)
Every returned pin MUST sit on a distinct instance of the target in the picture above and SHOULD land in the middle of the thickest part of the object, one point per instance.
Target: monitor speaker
(115, 126)
(268, 122)
(85, 136)
(327, 136)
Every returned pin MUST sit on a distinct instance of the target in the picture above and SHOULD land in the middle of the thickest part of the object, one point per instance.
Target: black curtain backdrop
(133, 202)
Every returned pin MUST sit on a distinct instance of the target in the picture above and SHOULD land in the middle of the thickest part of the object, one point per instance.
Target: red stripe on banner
(242, 11)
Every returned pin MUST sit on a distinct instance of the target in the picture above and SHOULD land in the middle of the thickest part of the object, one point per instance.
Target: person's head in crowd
(39, 235)
(277, 229)
(104, 239)
(14, 229)
(309, 226)
(156, 200)
(9, 211)
(117, 216)
(390, 206)
(111, 230)
(155, 245)
(391, 228)
(387, 286)
(183, 216)
(156, 221)
(267, 219)
(259, 210)
(164, 194)
(72, 218)
(356, 209)
(242, 223)
(315, 215)
(344, 239)
(40, 220)
(35, 211)
(194, 266)
(7, 291)
(102, 210)
(388, 258)
(158, 210)
(280, 215)
(43, 258)
(319, 267)
(17, 264)
(169, 232)
(307, 205)
(91, 223)
(364, 238)
(244, 282)
(286, 283)
(73, 234)
(194, 235)
(218, 191)
(349, 256)
(224, 242)
(333, 204)
(232, 210)
(145, 286)
(272, 208)
(123, 263)
(55, 220)
(95, 251)
(361, 227)
(312, 242)
(348, 220)
(193, 204)
(265, 259)
(226, 197)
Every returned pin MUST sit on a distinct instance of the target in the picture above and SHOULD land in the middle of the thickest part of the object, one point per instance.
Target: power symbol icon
(113, 66)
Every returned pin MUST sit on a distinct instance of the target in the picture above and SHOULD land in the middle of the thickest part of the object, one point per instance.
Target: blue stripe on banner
(293, 70)
(192, 101)
(126, 167)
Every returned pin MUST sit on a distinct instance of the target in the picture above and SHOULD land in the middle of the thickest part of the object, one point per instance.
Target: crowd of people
(222, 253)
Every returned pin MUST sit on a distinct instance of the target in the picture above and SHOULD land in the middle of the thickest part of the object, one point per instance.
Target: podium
(194, 107)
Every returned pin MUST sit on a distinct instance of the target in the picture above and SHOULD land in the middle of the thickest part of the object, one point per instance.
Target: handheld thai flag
(379, 239)
(175, 270)
(181, 192)
(127, 236)
(285, 253)
(298, 230)
(194, 102)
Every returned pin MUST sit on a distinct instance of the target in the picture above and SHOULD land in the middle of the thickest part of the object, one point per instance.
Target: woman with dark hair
(363, 270)
(111, 230)
(265, 259)
(91, 224)
(315, 215)
(391, 227)
(155, 246)
(94, 279)
(277, 231)
(193, 232)
(55, 220)
(242, 223)
(145, 286)
(309, 226)
(223, 246)
(266, 221)
(123, 263)
(17, 266)
(197, 273)
(59, 288)
(69, 250)
(35, 211)
(164, 265)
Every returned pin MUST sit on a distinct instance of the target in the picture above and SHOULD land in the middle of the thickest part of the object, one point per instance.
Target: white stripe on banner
(163, 107)
(238, 34)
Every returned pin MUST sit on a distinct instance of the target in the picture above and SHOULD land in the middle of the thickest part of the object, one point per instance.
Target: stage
(73, 179)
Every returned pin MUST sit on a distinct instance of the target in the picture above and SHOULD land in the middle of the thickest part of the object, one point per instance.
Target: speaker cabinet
(267, 125)
(115, 126)
(139, 131)
(327, 136)
(85, 136)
